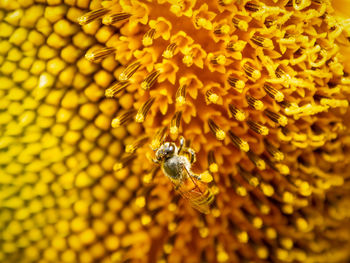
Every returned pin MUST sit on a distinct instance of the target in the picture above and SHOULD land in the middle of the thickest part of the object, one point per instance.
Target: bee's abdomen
(206, 199)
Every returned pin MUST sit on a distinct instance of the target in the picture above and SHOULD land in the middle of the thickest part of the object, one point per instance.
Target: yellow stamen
(116, 88)
(91, 16)
(238, 188)
(142, 113)
(217, 59)
(251, 179)
(238, 142)
(218, 132)
(237, 84)
(213, 167)
(262, 41)
(256, 160)
(147, 39)
(222, 29)
(236, 46)
(275, 153)
(267, 189)
(158, 138)
(278, 118)
(150, 80)
(240, 24)
(148, 178)
(175, 122)
(238, 114)
(114, 18)
(129, 71)
(169, 51)
(274, 93)
(252, 73)
(258, 128)
(254, 103)
(124, 162)
(99, 54)
(211, 97)
(123, 118)
(252, 7)
(181, 94)
(131, 148)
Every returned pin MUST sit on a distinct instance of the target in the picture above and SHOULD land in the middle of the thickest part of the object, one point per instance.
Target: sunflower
(90, 89)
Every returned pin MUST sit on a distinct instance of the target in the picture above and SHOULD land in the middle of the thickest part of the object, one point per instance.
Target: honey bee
(176, 164)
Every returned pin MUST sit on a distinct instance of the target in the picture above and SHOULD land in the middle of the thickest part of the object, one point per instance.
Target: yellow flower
(260, 90)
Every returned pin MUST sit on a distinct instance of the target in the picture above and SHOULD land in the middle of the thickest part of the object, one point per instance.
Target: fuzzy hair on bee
(176, 163)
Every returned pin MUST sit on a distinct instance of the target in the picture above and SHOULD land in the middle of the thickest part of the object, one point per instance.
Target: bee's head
(166, 151)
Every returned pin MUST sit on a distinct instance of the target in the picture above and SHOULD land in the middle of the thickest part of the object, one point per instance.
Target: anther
(240, 24)
(282, 168)
(274, 93)
(129, 71)
(168, 247)
(116, 88)
(251, 72)
(125, 161)
(269, 22)
(123, 118)
(256, 160)
(148, 177)
(213, 166)
(267, 189)
(131, 148)
(217, 59)
(239, 189)
(276, 117)
(222, 29)
(150, 80)
(114, 18)
(253, 220)
(236, 46)
(91, 16)
(235, 83)
(280, 73)
(169, 51)
(254, 103)
(175, 122)
(262, 41)
(211, 97)
(142, 113)
(181, 94)
(158, 138)
(98, 54)
(252, 180)
(216, 130)
(141, 195)
(147, 39)
(238, 142)
(252, 7)
(273, 151)
(263, 207)
(238, 114)
(258, 128)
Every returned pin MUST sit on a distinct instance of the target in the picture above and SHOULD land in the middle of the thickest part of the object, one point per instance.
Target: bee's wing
(196, 192)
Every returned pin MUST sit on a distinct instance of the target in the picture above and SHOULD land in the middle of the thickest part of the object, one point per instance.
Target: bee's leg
(192, 154)
(182, 143)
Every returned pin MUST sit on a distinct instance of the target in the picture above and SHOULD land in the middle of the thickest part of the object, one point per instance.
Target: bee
(176, 164)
